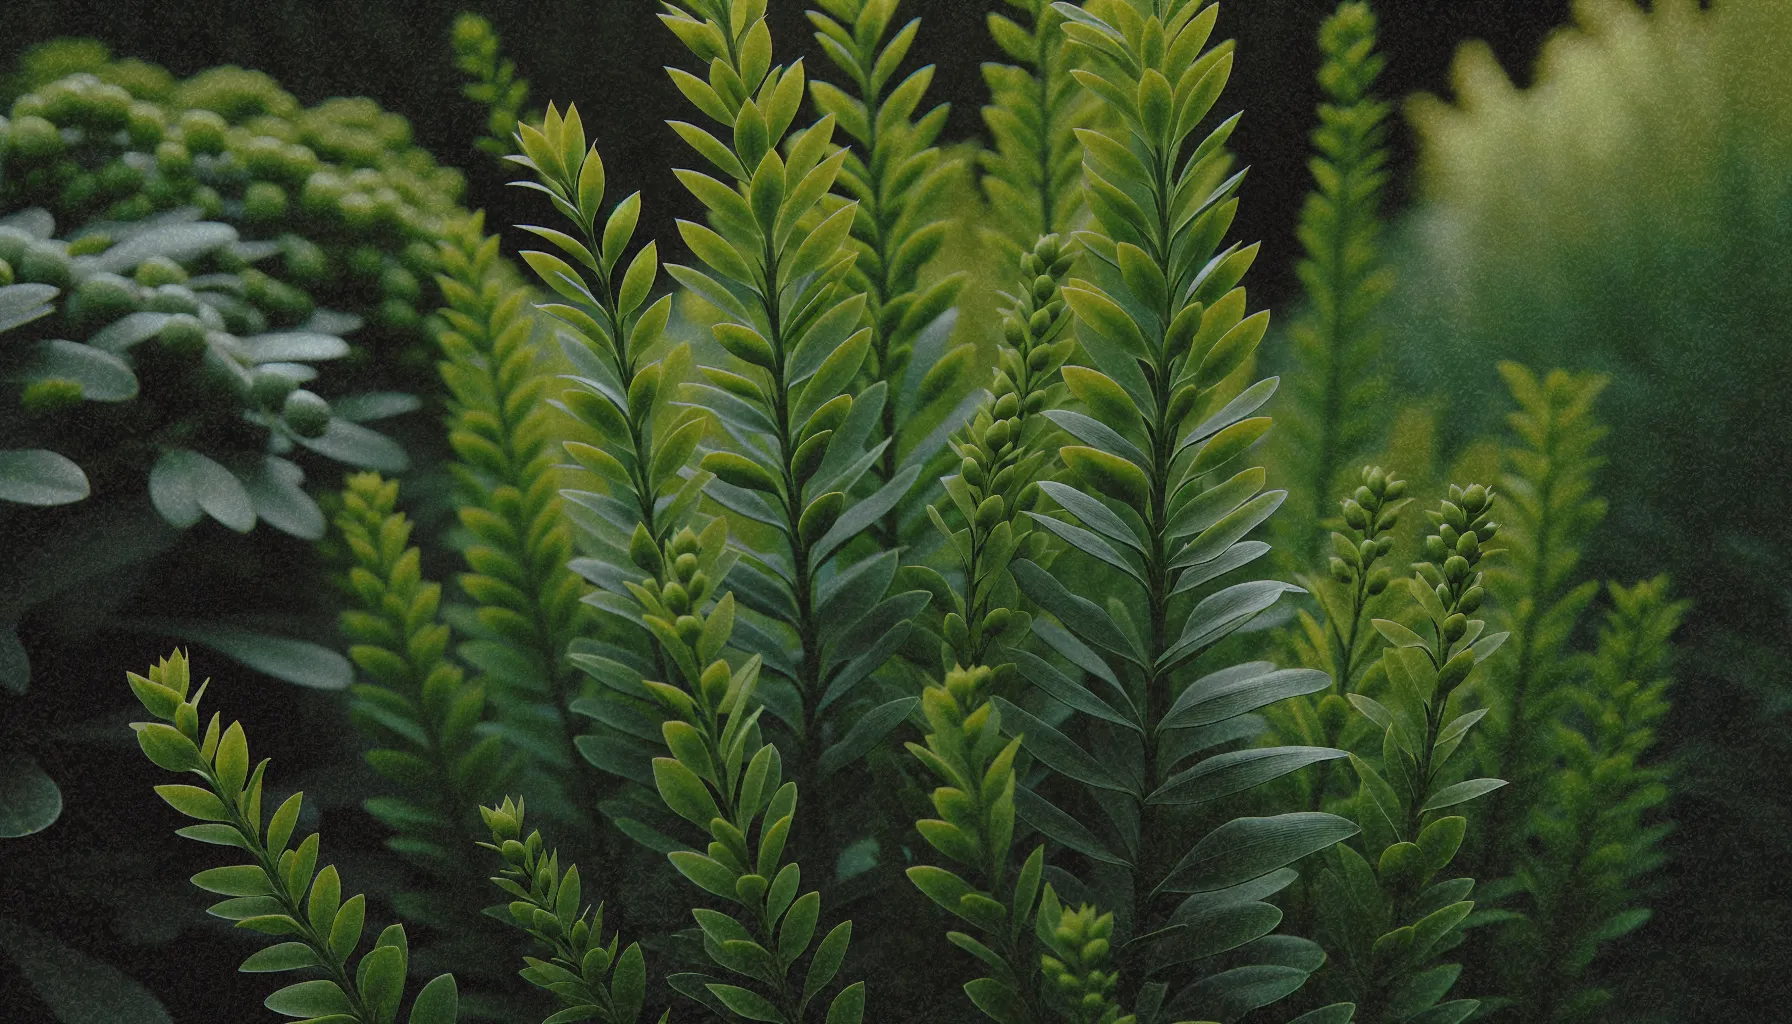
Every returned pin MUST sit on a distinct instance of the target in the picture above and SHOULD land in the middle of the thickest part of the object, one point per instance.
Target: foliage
(1336, 413)
(547, 905)
(1387, 925)
(279, 891)
(696, 585)
(792, 345)
(1595, 839)
(493, 82)
(1627, 215)
(898, 178)
(1553, 514)
(1030, 175)
(1168, 409)
(518, 544)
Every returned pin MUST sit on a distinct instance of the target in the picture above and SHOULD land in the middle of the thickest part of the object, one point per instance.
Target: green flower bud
(684, 566)
(269, 388)
(676, 599)
(1471, 600)
(33, 139)
(690, 629)
(1454, 627)
(1456, 569)
(1354, 515)
(1396, 489)
(306, 413)
(686, 542)
(972, 472)
(203, 131)
(158, 271)
(183, 336)
(1363, 496)
(1377, 481)
(1474, 499)
(174, 298)
(1339, 570)
(1378, 581)
(1454, 516)
(1487, 531)
(1006, 406)
(264, 202)
(1435, 548)
(1039, 322)
(990, 512)
(1013, 331)
(1449, 535)
(1384, 545)
(1043, 287)
(1468, 547)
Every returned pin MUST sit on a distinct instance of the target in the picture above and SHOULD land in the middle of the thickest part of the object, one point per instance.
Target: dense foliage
(886, 633)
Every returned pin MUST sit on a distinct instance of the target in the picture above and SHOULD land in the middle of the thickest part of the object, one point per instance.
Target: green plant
(1554, 512)
(1595, 838)
(1030, 176)
(547, 904)
(518, 544)
(279, 891)
(1387, 925)
(796, 440)
(1336, 416)
(898, 178)
(1169, 407)
(492, 81)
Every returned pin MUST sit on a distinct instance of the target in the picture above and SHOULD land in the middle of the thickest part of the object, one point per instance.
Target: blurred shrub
(1631, 214)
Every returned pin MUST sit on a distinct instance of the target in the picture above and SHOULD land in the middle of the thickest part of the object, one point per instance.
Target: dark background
(605, 55)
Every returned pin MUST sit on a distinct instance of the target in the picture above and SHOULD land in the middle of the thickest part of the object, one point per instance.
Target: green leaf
(865, 734)
(1056, 824)
(1236, 771)
(294, 661)
(1460, 793)
(29, 799)
(235, 880)
(194, 802)
(684, 792)
(1055, 750)
(287, 956)
(38, 477)
(628, 983)
(319, 998)
(1246, 848)
(1095, 308)
(381, 981)
(849, 1006)
(747, 1003)
(826, 961)
(1104, 473)
(438, 1003)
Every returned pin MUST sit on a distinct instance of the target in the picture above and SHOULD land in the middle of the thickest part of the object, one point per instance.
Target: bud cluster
(546, 903)
(1034, 343)
(966, 749)
(1076, 967)
(683, 575)
(1370, 514)
(1463, 527)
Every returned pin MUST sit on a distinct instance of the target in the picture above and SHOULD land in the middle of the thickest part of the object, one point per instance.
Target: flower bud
(1486, 531)
(990, 512)
(1379, 580)
(1396, 489)
(685, 542)
(1449, 535)
(1474, 499)
(1454, 515)
(306, 413)
(1013, 331)
(714, 681)
(1339, 570)
(1435, 549)
(1006, 406)
(1378, 481)
(689, 628)
(1456, 568)
(972, 472)
(1455, 626)
(677, 600)
(1467, 546)
(1471, 600)
(685, 565)
(1354, 515)
(1363, 495)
